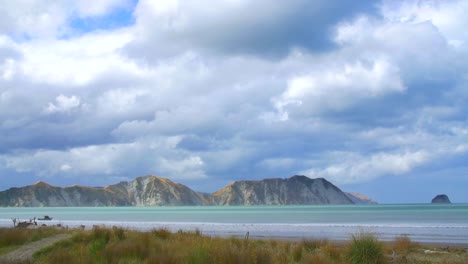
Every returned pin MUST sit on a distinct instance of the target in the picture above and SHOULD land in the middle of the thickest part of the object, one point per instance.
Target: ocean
(421, 222)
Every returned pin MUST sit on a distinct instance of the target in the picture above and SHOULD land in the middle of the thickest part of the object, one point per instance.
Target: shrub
(312, 245)
(101, 233)
(119, 232)
(162, 233)
(402, 245)
(365, 249)
(297, 253)
(10, 236)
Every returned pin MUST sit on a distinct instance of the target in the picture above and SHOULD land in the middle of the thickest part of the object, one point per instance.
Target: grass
(365, 249)
(118, 245)
(12, 238)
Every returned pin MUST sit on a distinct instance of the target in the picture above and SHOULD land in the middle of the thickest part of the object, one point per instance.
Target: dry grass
(118, 245)
(12, 238)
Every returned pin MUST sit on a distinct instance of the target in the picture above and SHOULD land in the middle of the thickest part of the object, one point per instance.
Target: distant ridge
(358, 198)
(157, 191)
(294, 190)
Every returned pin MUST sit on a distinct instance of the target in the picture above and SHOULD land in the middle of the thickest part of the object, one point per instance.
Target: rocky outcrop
(143, 191)
(441, 199)
(157, 191)
(294, 190)
(43, 194)
(358, 198)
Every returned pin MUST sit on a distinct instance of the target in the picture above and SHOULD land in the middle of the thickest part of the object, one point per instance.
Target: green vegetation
(365, 249)
(118, 245)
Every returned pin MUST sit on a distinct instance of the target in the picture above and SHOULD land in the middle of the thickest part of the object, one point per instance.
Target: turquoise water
(425, 223)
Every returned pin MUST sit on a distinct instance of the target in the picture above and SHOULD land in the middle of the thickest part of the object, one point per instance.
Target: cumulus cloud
(447, 16)
(349, 91)
(78, 61)
(63, 104)
(355, 168)
(173, 27)
(144, 156)
(337, 89)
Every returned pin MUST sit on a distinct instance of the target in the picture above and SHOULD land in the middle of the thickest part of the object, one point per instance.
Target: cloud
(63, 104)
(148, 156)
(354, 168)
(98, 8)
(32, 17)
(337, 89)
(447, 16)
(49, 19)
(354, 92)
(229, 27)
(78, 61)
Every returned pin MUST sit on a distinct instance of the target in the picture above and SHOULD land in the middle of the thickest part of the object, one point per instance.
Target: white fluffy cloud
(77, 61)
(337, 89)
(447, 16)
(144, 156)
(63, 104)
(355, 168)
(50, 18)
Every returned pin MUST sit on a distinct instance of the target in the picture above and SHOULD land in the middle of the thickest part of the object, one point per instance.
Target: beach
(422, 223)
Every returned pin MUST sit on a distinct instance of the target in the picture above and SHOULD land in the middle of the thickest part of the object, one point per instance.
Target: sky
(371, 95)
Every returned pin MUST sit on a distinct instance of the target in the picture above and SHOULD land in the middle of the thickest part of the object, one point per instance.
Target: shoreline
(281, 232)
(340, 242)
(343, 242)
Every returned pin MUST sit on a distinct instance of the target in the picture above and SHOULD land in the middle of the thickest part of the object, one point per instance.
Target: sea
(435, 223)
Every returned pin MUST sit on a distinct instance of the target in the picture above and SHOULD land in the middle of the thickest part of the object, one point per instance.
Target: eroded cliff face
(43, 194)
(143, 191)
(157, 191)
(294, 190)
(358, 198)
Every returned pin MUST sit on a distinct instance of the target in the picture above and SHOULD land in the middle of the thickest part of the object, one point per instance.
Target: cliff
(143, 191)
(157, 191)
(43, 194)
(294, 190)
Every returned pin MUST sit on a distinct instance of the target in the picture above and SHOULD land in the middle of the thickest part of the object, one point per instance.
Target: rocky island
(441, 199)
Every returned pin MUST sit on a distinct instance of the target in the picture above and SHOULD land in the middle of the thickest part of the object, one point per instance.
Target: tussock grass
(365, 249)
(403, 245)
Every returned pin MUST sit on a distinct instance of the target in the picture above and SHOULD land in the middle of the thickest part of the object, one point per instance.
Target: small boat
(46, 217)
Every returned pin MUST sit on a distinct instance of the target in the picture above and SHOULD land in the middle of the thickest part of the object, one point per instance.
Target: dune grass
(119, 245)
(12, 238)
(116, 245)
(365, 249)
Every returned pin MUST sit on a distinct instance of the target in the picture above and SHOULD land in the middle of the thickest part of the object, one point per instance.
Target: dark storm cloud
(258, 28)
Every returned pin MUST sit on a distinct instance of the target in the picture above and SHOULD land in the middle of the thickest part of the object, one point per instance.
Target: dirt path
(24, 253)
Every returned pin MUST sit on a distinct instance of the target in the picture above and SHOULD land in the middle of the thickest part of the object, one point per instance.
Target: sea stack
(441, 199)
